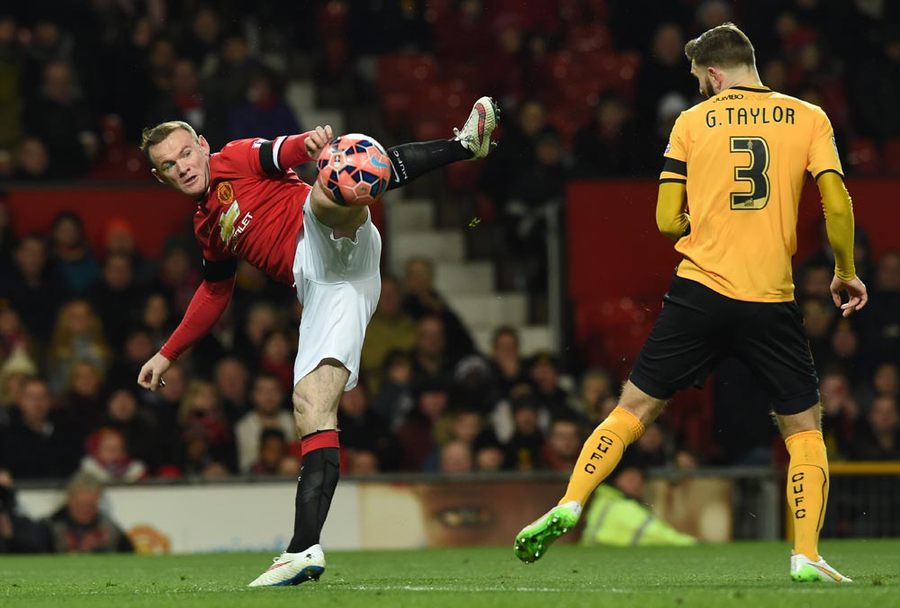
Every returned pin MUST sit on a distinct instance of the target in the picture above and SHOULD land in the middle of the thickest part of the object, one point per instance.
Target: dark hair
(267, 434)
(505, 330)
(722, 46)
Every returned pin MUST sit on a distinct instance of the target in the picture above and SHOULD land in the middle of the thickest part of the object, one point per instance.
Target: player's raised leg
(471, 142)
(315, 398)
(599, 457)
(807, 494)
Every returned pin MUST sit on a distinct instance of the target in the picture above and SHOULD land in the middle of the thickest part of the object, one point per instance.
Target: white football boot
(293, 569)
(805, 570)
(475, 135)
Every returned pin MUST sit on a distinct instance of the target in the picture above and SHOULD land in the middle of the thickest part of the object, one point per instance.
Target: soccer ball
(354, 170)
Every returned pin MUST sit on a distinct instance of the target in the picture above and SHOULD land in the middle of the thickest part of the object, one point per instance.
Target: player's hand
(150, 376)
(317, 140)
(856, 293)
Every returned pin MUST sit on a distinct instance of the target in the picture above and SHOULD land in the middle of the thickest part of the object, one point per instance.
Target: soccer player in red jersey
(252, 206)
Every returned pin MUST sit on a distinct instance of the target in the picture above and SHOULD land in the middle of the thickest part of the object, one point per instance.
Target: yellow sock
(601, 453)
(807, 489)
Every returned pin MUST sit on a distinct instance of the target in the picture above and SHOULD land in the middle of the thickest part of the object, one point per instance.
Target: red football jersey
(253, 209)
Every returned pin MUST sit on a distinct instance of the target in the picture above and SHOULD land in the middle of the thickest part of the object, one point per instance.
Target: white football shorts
(338, 282)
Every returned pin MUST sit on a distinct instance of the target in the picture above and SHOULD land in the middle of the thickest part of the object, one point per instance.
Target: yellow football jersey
(744, 154)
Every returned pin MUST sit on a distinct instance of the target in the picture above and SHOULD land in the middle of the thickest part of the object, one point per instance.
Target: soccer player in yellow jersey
(728, 197)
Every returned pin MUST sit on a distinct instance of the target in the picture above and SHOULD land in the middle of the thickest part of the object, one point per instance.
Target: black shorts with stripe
(698, 327)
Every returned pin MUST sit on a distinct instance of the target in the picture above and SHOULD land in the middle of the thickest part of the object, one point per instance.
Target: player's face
(182, 162)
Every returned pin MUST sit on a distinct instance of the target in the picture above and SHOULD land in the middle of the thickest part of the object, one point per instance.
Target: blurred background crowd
(589, 89)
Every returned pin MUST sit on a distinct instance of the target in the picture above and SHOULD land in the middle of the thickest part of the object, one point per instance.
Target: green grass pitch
(738, 574)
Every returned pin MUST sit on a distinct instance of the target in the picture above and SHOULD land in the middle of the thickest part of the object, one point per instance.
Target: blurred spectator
(363, 463)
(83, 399)
(79, 526)
(473, 386)
(15, 370)
(506, 359)
(391, 328)
(840, 413)
(156, 317)
(273, 449)
(261, 320)
(232, 380)
(137, 426)
(456, 458)
(880, 320)
(60, 117)
(277, 357)
(116, 297)
(176, 278)
(664, 72)
(35, 446)
(135, 351)
(523, 450)
(422, 299)
(268, 399)
(596, 388)
(12, 66)
(563, 445)
(489, 458)
(609, 145)
(394, 399)
(264, 112)
(236, 66)
(818, 318)
(13, 337)
(845, 350)
(875, 89)
(364, 430)
(70, 250)
(517, 155)
(108, 460)
(33, 289)
(430, 358)
(32, 160)
(416, 435)
(18, 533)
(880, 437)
(651, 449)
(206, 438)
(549, 393)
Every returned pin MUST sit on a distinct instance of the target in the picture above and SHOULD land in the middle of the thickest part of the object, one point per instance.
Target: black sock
(315, 489)
(409, 161)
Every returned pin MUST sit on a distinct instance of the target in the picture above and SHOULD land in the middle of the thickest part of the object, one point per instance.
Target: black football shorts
(698, 327)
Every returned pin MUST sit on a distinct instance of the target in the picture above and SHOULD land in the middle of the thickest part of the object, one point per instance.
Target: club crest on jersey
(225, 193)
(227, 220)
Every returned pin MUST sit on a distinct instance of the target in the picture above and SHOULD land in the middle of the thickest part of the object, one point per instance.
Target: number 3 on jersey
(754, 173)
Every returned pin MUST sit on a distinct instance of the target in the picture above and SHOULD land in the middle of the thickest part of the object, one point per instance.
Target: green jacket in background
(614, 519)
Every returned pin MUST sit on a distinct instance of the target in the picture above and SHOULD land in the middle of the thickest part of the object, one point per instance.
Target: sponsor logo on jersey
(225, 193)
(227, 220)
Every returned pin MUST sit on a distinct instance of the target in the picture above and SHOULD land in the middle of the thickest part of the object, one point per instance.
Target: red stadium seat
(863, 157)
(405, 71)
(892, 156)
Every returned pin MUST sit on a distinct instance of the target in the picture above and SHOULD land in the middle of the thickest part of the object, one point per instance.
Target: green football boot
(535, 538)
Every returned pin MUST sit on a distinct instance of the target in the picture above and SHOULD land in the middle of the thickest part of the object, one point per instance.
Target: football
(354, 170)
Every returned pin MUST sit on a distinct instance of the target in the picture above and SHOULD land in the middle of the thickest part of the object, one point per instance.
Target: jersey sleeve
(676, 154)
(823, 154)
(264, 157)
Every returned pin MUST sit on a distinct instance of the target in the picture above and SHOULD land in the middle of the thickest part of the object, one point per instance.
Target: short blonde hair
(151, 136)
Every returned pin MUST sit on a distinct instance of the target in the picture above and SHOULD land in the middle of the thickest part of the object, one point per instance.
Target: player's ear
(716, 77)
(157, 175)
(204, 145)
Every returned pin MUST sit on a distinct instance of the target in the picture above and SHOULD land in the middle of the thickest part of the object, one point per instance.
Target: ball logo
(225, 193)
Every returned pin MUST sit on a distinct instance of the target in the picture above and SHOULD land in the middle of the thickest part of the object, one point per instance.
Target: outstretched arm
(206, 307)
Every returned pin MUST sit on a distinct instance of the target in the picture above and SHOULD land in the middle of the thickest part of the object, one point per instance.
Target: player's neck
(748, 78)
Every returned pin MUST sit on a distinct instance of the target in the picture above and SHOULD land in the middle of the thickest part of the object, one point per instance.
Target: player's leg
(315, 398)
(773, 344)
(679, 353)
(471, 142)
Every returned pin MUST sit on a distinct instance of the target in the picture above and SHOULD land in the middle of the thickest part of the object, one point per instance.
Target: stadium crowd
(76, 324)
